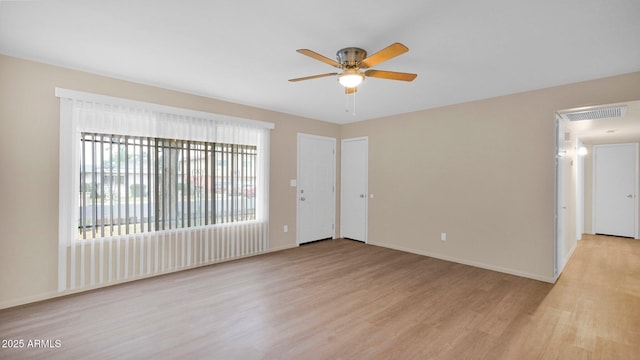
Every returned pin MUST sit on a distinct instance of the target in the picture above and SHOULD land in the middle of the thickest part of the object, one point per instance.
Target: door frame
(366, 190)
(333, 180)
(559, 191)
(580, 189)
(593, 187)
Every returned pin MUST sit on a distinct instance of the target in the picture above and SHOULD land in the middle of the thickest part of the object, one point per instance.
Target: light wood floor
(340, 299)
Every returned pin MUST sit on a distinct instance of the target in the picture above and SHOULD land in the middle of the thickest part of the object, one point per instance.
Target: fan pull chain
(354, 104)
(346, 103)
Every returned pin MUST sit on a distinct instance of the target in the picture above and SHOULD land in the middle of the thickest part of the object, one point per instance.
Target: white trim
(593, 189)
(468, 262)
(637, 146)
(579, 188)
(557, 187)
(566, 259)
(297, 194)
(85, 96)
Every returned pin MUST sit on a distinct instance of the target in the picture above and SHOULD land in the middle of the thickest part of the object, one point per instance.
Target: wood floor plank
(342, 299)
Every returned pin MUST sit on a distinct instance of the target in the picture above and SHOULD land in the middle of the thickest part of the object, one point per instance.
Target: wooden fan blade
(350, 90)
(390, 75)
(312, 77)
(317, 56)
(385, 54)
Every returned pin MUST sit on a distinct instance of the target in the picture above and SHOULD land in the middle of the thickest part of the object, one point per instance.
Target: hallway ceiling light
(582, 151)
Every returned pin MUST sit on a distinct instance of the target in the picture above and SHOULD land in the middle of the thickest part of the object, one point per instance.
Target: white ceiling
(244, 51)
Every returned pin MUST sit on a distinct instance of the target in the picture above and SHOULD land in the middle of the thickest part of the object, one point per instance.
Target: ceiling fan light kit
(352, 59)
(350, 78)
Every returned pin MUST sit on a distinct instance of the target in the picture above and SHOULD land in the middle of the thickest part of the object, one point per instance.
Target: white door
(316, 188)
(615, 186)
(353, 188)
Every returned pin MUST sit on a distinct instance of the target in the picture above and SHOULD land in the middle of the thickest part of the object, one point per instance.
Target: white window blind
(147, 189)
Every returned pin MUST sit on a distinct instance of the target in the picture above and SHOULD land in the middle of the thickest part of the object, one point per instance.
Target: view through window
(132, 184)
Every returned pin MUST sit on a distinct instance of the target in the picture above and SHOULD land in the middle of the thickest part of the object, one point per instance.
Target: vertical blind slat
(126, 185)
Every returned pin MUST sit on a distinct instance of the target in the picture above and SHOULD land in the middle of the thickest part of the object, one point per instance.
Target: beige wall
(29, 118)
(481, 171)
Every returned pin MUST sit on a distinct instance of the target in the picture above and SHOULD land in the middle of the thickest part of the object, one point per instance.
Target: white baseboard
(29, 299)
(566, 260)
(468, 262)
(280, 248)
(54, 294)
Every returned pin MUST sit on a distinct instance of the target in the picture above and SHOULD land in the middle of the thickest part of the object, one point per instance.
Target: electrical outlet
(443, 236)
(286, 228)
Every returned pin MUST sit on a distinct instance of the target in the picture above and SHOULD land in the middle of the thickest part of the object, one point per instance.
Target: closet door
(615, 186)
(354, 188)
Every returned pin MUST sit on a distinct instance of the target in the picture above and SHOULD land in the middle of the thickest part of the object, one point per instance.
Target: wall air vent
(595, 112)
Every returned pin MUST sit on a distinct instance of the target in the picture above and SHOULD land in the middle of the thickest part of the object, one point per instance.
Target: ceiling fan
(352, 59)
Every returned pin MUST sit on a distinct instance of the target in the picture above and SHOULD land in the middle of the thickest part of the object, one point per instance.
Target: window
(147, 189)
(131, 184)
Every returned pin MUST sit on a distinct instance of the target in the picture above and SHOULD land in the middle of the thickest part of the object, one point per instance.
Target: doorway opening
(578, 132)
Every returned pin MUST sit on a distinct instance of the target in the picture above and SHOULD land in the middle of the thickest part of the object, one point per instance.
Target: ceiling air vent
(595, 112)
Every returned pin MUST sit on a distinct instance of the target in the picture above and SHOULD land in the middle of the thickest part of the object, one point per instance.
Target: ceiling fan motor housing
(351, 57)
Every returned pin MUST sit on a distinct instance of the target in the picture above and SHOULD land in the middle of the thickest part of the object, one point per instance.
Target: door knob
(362, 196)
(630, 196)
(302, 198)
